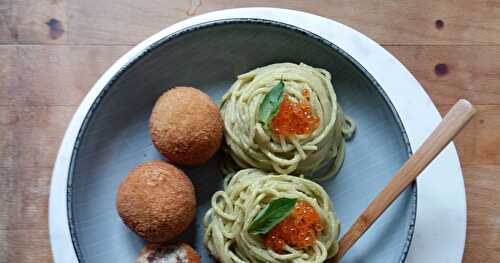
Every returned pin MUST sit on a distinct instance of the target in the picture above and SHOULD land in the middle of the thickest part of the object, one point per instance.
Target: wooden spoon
(449, 127)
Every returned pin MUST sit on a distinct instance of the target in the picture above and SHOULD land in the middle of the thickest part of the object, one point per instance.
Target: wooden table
(52, 51)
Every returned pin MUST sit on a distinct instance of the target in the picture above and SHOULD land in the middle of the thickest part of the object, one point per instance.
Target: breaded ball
(162, 253)
(186, 126)
(157, 201)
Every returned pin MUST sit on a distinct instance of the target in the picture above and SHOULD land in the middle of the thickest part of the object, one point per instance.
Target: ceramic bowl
(114, 136)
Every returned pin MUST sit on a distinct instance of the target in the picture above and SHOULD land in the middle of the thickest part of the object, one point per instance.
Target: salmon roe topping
(298, 230)
(294, 118)
(305, 92)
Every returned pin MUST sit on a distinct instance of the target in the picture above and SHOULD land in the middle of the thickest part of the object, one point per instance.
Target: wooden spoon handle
(451, 124)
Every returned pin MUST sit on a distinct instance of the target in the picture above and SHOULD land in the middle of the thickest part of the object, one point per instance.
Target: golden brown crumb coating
(178, 253)
(157, 201)
(186, 126)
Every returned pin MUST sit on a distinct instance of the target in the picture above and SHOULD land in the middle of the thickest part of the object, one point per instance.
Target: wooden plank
(127, 21)
(8, 72)
(32, 22)
(483, 206)
(449, 73)
(388, 22)
(31, 135)
(478, 142)
(52, 75)
(8, 32)
(477, 145)
(7, 200)
(23, 229)
(124, 22)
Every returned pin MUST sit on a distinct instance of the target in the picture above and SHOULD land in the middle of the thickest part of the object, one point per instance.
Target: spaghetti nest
(245, 194)
(251, 143)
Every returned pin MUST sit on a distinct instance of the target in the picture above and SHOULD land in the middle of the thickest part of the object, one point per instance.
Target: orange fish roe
(298, 230)
(305, 92)
(294, 118)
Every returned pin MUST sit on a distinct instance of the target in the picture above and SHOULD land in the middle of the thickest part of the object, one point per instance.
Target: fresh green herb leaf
(271, 103)
(271, 215)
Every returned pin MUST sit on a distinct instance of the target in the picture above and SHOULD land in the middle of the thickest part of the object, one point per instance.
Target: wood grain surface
(52, 51)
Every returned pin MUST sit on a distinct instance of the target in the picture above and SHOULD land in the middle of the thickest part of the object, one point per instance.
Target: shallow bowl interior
(115, 138)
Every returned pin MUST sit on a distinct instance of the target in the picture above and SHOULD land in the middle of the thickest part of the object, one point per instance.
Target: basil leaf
(271, 215)
(271, 103)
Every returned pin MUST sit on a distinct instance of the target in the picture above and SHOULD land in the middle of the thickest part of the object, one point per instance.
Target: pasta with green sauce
(245, 193)
(252, 144)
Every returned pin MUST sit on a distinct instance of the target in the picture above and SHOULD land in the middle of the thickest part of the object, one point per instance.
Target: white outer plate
(441, 211)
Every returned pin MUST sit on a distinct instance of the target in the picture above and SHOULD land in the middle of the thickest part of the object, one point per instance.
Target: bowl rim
(216, 23)
(63, 252)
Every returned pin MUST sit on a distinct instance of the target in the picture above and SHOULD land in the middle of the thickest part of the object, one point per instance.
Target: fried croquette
(186, 126)
(161, 253)
(157, 201)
